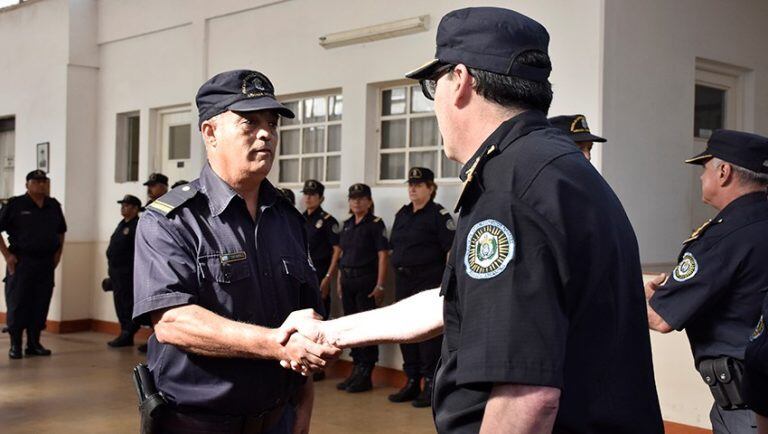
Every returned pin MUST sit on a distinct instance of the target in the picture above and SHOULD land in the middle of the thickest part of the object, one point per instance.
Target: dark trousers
(28, 293)
(321, 267)
(420, 359)
(122, 294)
(356, 285)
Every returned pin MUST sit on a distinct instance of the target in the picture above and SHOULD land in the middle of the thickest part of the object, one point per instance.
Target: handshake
(307, 343)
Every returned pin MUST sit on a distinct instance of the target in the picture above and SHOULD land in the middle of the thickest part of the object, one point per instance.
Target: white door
(179, 152)
(7, 139)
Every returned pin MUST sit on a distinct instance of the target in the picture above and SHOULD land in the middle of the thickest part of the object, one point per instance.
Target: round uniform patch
(335, 228)
(490, 247)
(686, 269)
(450, 225)
(126, 231)
(758, 330)
(319, 224)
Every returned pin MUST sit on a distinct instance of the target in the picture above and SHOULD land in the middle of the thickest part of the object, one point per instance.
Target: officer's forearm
(4, 248)
(383, 265)
(656, 322)
(762, 424)
(415, 319)
(334, 261)
(520, 409)
(198, 330)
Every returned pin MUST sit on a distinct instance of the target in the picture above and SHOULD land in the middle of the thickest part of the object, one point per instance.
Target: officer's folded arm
(198, 330)
(520, 409)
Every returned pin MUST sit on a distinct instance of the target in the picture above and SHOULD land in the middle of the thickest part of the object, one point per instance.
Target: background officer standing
(120, 269)
(421, 238)
(35, 225)
(716, 290)
(363, 263)
(220, 264)
(576, 127)
(157, 185)
(323, 235)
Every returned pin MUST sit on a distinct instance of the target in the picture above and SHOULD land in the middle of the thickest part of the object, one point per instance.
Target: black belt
(172, 422)
(353, 272)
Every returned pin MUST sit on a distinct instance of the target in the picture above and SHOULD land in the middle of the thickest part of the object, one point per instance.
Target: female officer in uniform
(363, 264)
(421, 238)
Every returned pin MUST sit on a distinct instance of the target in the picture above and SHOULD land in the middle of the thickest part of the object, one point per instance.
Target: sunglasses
(428, 85)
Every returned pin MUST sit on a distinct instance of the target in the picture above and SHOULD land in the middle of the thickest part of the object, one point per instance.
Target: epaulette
(168, 202)
(443, 211)
(698, 232)
(327, 216)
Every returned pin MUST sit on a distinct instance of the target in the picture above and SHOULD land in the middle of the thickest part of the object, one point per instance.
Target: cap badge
(416, 173)
(312, 185)
(579, 125)
(254, 85)
(490, 247)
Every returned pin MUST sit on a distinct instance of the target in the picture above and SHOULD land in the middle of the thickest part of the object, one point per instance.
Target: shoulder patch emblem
(450, 224)
(686, 269)
(335, 228)
(758, 330)
(319, 224)
(490, 248)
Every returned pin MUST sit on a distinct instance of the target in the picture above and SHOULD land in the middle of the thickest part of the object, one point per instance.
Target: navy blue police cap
(313, 186)
(130, 200)
(420, 174)
(746, 150)
(37, 174)
(359, 190)
(240, 90)
(576, 127)
(490, 39)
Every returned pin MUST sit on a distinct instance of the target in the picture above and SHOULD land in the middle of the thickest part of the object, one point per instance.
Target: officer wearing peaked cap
(542, 311)
(221, 263)
(716, 290)
(421, 237)
(576, 127)
(157, 185)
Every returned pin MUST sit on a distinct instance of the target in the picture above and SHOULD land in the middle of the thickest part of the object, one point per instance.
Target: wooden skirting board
(382, 376)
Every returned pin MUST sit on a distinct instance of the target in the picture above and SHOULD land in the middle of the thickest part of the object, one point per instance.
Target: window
(409, 137)
(310, 144)
(7, 152)
(718, 98)
(127, 147)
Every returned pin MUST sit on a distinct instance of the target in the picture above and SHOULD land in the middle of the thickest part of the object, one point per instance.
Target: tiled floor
(86, 387)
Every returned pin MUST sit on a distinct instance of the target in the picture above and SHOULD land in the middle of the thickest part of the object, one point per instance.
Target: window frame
(408, 116)
(123, 154)
(300, 126)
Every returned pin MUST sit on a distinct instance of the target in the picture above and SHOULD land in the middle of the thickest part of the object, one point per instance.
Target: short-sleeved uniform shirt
(543, 287)
(715, 292)
(755, 381)
(323, 234)
(423, 237)
(33, 230)
(121, 245)
(207, 250)
(361, 242)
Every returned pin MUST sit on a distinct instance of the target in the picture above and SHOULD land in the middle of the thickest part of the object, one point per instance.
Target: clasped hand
(306, 346)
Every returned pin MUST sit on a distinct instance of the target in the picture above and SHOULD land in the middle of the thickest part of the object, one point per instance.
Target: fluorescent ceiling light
(376, 32)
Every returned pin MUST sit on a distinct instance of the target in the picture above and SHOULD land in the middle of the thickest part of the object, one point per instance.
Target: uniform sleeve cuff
(162, 301)
(486, 373)
(661, 309)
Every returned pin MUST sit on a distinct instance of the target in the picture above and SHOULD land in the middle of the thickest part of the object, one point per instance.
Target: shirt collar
(220, 194)
(506, 133)
(318, 212)
(740, 203)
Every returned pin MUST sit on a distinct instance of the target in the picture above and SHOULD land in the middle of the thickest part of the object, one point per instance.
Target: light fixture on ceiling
(376, 32)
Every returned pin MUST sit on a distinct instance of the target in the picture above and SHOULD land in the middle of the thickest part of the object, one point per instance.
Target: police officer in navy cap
(120, 269)
(35, 226)
(541, 301)
(221, 262)
(576, 127)
(716, 290)
(323, 233)
(421, 237)
(157, 185)
(364, 262)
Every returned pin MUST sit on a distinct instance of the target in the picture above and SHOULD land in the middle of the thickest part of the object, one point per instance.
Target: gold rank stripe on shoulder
(471, 174)
(700, 230)
(377, 219)
(327, 216)
(161, 206)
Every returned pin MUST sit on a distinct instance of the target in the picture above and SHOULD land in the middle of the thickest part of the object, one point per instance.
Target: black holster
(151, 401)
(724, 377)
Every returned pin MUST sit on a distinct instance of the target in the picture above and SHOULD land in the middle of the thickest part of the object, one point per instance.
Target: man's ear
(208, 131)
(461, 84)
(725, 174)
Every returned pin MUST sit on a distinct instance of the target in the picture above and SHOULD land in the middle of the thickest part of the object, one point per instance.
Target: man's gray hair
(746, 176)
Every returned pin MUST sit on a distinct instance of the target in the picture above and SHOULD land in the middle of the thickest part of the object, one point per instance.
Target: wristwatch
(379, 288)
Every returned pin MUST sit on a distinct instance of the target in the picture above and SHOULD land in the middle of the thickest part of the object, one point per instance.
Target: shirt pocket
(299, 281)
(224, 267)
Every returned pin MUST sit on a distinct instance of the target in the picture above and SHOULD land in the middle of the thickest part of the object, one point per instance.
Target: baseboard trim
(388, 377)
(85, 325)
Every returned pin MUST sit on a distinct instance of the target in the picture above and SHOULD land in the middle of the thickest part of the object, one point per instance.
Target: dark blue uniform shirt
(362, 242)
(755, 384)
(715, 292)
(322, 233)
(121, 245)
(543, 287)
(423, 237)
(33, 230)
(209, 251)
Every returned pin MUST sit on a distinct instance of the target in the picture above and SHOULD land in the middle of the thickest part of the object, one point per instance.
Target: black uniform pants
(356, 285)
(321, 267)
(28, 293)
(122, 293)
(420, 359)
